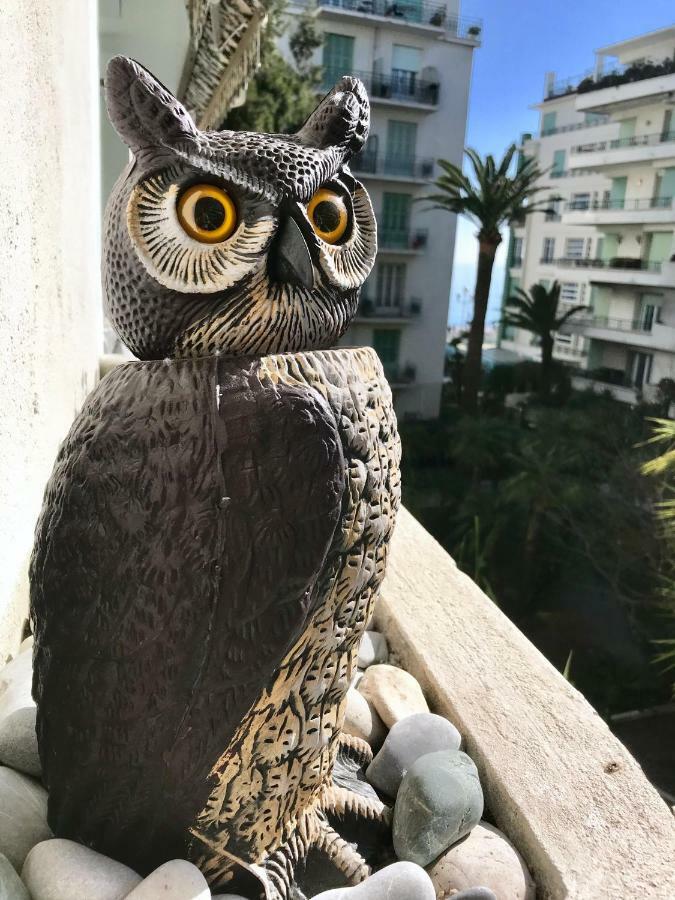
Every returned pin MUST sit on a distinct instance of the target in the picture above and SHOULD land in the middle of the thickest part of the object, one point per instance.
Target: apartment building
(415, 60)
(609, 138)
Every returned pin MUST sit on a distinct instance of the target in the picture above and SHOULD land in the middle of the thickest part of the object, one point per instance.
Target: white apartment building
(415, 59)
(609, 137)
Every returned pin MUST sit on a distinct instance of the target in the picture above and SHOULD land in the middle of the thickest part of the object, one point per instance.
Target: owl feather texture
(214, 533)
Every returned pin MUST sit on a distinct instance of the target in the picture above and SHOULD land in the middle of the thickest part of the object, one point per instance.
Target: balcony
(618, 270)
(422, 15)
(591, 82)
(632, 332)
(622, 151)
(392, 168)
(632, 211)
(399, 313)
(402, 241)
(399, 88)
(400, 375)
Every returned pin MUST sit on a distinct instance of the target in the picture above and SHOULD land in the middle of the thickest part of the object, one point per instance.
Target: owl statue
(215, 530)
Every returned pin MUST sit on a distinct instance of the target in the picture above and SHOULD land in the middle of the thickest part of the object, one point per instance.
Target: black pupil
(209, 213)
(327, 216)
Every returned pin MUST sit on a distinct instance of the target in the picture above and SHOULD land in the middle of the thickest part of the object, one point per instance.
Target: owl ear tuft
(342, 119)
(143, 112)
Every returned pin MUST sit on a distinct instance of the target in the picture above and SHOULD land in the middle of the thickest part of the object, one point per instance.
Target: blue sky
(522, 40)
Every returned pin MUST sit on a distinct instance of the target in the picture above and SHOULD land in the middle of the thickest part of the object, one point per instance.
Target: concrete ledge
(557, 782)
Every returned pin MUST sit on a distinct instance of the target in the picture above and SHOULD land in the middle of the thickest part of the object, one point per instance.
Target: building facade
(608, 139)
(415, 60)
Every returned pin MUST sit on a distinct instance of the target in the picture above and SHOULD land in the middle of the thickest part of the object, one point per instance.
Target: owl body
(215, 530)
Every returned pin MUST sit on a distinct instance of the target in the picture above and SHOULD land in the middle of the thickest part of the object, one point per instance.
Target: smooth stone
(400, 881)
(362, 720)
(18, 741)
(356, 678)
(439, 801)
(372, 649)
(177, 879)
(11, 886)
(476, 893)
(409, 739)
(64, 870)
(485, 857)
(393, 692)
(16, 683)
(27, 643)
(228, 897)
(23, 815)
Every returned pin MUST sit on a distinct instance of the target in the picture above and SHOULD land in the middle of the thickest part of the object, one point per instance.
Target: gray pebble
(11, 886)
(475, 893)
(372, 649)
(439, 801)
(410, 738)
(400, 881)
(60, 868)
(23, 822)
(18, 741)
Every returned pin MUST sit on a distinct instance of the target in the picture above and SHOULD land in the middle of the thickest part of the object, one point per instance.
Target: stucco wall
(50, 320)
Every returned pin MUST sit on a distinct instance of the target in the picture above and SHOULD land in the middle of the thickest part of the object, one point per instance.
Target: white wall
(50, 311)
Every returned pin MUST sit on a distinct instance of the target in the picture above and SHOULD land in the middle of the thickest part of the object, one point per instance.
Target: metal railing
(627, 204)
(385, 164)
(611, 324)
(399, 239)
(399, 84)
(636, 140)
(620, 263)
(399, 374)
(421, 13)
(571, 173)
(369, 309)
(574, 126)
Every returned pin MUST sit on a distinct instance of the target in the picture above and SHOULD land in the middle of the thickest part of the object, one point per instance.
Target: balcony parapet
(628, 211)
(558, 783)
(400, 312)
(620, 151)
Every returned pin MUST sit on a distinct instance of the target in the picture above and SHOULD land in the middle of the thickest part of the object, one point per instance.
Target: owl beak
(289, 259)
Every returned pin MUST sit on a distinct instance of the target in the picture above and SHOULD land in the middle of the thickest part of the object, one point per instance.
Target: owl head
(232, 242)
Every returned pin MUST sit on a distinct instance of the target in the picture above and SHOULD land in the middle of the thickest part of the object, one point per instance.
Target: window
(617, 192)
(389, 285)
(395, 219)
(401, 142)
(558, 168)
(406, 63)
(569, 292)
(548, 250)
(574, 248)
(553, 209)
(338, 56)
(664, 188)
(659, 247)
(580, 201)
(387, 342)
(517, 252)
(668, 129)
(548, 123)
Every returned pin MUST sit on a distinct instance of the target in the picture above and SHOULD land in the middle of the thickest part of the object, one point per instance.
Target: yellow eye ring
(328, 215)
(207, 213)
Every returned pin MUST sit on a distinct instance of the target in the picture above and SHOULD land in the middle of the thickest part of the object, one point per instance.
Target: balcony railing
(626, 325)
(369, 309)
(516, 262)
(622, 203)
(617, 262)
(399, 239)
(574, 126)
(433, 14)
(398, 166)
(399, 374)
(571, 173)
(399, 84)
(618, 75)
(636, 140)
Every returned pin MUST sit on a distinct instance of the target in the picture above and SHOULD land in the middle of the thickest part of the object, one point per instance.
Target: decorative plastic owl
(215, 530)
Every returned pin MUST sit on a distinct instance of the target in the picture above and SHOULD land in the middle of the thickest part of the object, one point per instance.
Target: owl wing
(190, 511)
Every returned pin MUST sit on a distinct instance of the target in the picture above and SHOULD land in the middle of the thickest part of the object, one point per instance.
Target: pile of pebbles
(442, 846)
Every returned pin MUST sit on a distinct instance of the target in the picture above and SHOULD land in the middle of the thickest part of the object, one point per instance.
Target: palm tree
(538, 312)
(492, 199)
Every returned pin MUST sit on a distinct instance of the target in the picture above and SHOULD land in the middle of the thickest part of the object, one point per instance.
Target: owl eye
(207, 213)
(327, 211)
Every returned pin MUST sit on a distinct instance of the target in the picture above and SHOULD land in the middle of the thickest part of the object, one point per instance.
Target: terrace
(618, 75)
